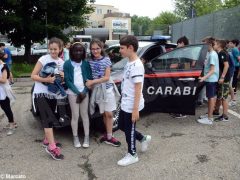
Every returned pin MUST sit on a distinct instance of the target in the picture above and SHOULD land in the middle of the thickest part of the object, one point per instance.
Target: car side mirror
(148, 65)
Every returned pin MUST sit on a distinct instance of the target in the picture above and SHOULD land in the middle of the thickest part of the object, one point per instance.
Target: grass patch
(22, 69)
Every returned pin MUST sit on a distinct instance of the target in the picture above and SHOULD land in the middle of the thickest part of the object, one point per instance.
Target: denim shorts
(211, 89)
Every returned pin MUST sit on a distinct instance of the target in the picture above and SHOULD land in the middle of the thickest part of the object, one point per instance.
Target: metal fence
(224, 24)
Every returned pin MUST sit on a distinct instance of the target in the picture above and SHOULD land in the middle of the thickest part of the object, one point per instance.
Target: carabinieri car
(171, 82)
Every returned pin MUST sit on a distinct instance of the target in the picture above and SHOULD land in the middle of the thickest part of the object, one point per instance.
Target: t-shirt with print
(212, 59)
(99, 67)
(224, 57)
(133, 73)
(40, 88)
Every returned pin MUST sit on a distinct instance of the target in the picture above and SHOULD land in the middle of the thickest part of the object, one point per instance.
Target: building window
(99, 11)
(109, 11)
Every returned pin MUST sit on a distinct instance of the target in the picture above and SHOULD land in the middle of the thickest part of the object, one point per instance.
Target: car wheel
(116, 118)
(33, 109)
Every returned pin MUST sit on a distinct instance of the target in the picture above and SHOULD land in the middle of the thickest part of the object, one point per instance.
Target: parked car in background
(39, 49)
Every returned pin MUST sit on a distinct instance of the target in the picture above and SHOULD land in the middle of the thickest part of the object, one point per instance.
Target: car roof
(140, 44)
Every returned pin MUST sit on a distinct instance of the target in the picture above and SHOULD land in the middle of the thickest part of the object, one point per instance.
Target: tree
(203, 7)
(231, 3)
(140, 25)
(191, 8)
(27, 21)
(184, 8)
(163, 21)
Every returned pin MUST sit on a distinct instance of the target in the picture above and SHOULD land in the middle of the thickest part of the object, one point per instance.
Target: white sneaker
(145, 142)
(128, 159)
(10, 131)
(76, 142)
(86, 142)
(203, 116)
(232, 103)
(205, 121)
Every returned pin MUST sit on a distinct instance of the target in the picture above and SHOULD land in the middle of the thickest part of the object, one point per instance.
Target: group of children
(221, 73)
(81, 77)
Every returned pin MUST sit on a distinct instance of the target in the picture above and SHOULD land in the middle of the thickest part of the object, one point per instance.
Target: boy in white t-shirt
(132, 99)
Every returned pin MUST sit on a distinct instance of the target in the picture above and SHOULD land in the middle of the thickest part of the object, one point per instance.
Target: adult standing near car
(77, 72)
(8, 60)
(101, 69)
(45, 100)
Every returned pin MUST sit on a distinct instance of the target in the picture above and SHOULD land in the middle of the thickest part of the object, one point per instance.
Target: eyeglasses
(95, 49)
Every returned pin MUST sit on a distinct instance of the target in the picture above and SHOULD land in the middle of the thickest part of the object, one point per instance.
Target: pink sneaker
(55, 153)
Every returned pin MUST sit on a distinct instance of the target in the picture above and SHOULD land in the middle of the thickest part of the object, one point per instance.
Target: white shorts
(110, 105)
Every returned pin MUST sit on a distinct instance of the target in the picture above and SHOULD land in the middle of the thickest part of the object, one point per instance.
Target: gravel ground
(180, 149)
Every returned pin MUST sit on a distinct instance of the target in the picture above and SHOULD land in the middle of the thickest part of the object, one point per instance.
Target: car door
(171, 80)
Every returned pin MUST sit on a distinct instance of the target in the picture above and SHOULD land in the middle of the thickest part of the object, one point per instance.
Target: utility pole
(192, 9)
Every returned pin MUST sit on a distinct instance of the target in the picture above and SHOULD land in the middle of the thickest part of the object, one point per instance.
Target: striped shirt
(99, 67)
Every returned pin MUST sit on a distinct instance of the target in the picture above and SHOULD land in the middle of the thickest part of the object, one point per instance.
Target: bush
(22, 69)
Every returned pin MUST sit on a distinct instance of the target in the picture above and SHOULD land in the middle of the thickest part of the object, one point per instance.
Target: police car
(147, 50)
(171, 82)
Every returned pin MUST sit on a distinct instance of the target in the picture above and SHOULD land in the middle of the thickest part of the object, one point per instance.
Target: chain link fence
(222, 24)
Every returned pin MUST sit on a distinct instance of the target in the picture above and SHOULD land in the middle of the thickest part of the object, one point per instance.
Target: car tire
(33, 109)
(116, 118)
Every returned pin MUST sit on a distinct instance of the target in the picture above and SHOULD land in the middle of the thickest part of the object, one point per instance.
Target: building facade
(109, 17)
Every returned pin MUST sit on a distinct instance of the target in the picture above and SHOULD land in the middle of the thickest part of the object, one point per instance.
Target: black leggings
(235, 79)
(5, 105)
(126, 125)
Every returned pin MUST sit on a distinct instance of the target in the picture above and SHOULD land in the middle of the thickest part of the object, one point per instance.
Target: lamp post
(46, 23)
(45, 8)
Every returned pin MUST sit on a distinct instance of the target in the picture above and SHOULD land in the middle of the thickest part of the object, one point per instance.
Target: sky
(150, 8)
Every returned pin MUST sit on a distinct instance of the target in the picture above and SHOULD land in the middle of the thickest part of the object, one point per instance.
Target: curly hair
(73, 46)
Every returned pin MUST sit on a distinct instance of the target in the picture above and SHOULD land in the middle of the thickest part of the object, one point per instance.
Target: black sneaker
(178, 116)
(55, 153)
(200, 103)
(222, 118)
(46, 144)
(216, 113)
(113, 141)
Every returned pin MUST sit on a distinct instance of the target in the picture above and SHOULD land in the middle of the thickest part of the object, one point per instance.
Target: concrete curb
(25, 79)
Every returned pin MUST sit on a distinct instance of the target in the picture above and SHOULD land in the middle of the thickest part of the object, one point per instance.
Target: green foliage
(163, 21)
(140, 25)
(231, 3)
(203, 7)
(27, 21)
(22, 69)
(183, 8)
